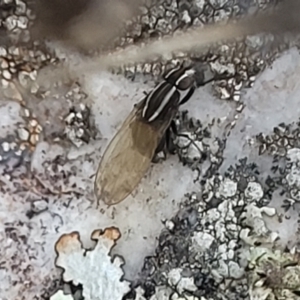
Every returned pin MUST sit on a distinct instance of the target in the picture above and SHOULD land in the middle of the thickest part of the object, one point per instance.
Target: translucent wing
(127, 158)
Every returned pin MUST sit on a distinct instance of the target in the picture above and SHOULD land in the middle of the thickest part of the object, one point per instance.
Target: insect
(143, 134)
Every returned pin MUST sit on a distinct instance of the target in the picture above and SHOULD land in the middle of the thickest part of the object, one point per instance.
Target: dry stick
(283, 19)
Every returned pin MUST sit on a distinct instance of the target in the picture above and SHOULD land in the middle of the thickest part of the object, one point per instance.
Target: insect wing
(126, 159)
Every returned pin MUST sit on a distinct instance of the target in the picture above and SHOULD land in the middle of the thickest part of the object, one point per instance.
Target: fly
(142, 134)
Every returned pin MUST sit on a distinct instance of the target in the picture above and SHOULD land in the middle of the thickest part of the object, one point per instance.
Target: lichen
(273, 274)
(99, 274)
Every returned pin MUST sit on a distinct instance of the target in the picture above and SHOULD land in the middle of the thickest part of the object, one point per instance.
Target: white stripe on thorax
(171, 72)
(163, 104)
(184, 75)
(150, 96)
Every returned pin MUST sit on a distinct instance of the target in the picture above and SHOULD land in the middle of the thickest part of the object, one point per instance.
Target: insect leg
(160, 148)
(223, 76)
(173, 127)
(162, 144)
(172, 130)
(166, 144)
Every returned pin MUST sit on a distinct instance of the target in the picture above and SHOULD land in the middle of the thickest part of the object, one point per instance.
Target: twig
(283, 19)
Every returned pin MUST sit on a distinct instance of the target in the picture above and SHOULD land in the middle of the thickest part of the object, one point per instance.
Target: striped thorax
(176, 88)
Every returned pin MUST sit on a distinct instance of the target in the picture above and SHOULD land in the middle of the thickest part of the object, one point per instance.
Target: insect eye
(184, 83)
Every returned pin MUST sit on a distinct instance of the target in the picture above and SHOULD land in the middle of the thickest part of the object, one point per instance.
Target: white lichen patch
(292, 177)
(254, 191)
(180, 283)
(273, 274)
(161, 293)
(99, 274)
(201, 242)
(59, 295)
(228, 188)
(207, 246)
(253, 217)
(293, 155)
